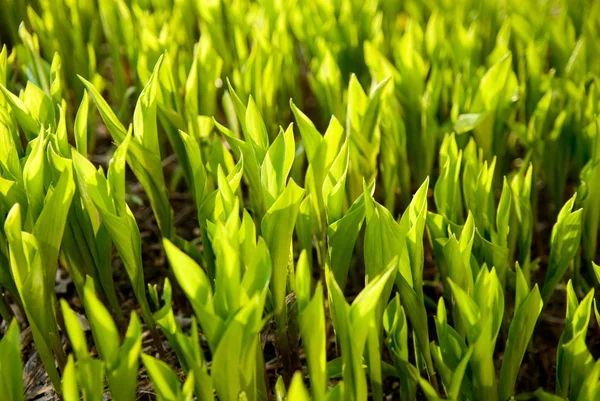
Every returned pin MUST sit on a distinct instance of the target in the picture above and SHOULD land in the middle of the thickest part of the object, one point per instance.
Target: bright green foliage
(447, 189)
(34, 255)
(352, 324)
(481, 317)
(69, 381)
(397, 343)
(108, 196)
(495, 98)
(297, 390)
(144, 156)
(359, 199)
(384, 243)
(11, 383)
(325, 180)
(576, 370)
(451, 356)
(166, 382)
(566, 235)
(276, 200)
(231, 316)
(118, 362)
(312, 327)
(521, 218)
(342, 236)
(410, 281)
(187, 348)
(363, 133)
(528, 306)
(591, 198)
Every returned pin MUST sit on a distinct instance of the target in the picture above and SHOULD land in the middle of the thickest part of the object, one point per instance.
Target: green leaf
(144, 116)
(104, 330)
(280, 390)
(34, 286)
(197, 289)
(468, 122)
(342, 236)
(304, 230)
(447, 188)
(520, 331)
(321, 152)
(334, 186)
(573, 359)
(395, 325)
(255, 130)
(237, 362)
(459, 374)
(384, 240)
(116, 129)
(566, 235)
(70, 389)
(50, 225)
(590, 389)
(362, 130)
(145, 163)
(74, 330)
(117, 217)
(310, 136)
(494, 83)
(469, 311)
(457, 256)
(29, 123)
(240, 108)
(251, 169)
(277, 164)
(200, 179)
(61, 140)
(297, 391)
(90, 375)
(503, 215)
(415, 310)
(165, 382)
(11, 382)
(33, 177)
(521, 185)
(122, 373)
(312, 327)
(352, 325)
(366, 301)
(277, 227)
(393, 161)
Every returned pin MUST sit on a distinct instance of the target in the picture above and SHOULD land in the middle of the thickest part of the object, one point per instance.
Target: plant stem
(293, 331)
(158, 343)
(59, 352)
(283, 344)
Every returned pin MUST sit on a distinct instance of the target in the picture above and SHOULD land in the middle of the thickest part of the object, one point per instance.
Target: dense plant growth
(327, 200)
